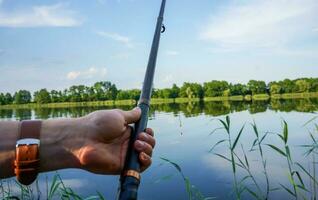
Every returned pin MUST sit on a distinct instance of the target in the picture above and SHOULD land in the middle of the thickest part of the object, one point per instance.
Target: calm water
(183, 136)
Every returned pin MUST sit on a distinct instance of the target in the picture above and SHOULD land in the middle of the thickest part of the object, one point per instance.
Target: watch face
(28, 141)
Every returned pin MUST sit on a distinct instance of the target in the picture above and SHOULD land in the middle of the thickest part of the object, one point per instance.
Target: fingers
(142, 146)
(147, 138)
(145, 144)
(145, 161)
(149, 131)
(132, 115)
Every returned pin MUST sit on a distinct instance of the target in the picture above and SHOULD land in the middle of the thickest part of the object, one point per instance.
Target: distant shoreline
(258, 97)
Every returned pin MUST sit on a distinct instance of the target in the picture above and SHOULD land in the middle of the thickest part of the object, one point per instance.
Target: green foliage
(42, 96)
(22, 97)
(105, 90)
(215, 88)
(256, 87)
(275, 89)
(302, 86)
(238, 89)
(191, 90)
(6, 99)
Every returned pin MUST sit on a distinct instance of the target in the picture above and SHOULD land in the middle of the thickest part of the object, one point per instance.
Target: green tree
(302, 86)
(74, 93)
(313, 85)
(175, 90)
(22, 97)
(275, 88)
(2, 100)
(256, 87)
(191, 90)
(123, 95)
(42, 96)
(134, 94)
(238, 89)
(288, 86)
(56, 96)
(8, 99)
(215, 88)
(105, 90)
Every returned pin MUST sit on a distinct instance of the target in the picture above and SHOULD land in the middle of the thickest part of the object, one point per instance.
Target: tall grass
(55, 190)
(192, 192)
(295, 171)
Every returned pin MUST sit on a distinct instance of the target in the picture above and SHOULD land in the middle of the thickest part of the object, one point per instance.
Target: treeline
(104, 90)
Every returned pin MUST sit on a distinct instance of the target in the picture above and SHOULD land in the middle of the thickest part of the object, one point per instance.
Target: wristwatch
(27, 160)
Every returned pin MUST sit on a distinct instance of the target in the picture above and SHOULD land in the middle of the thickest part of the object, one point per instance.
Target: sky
(56, 44)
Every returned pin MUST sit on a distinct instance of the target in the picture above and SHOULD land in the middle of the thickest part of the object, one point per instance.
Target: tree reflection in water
(190, 109)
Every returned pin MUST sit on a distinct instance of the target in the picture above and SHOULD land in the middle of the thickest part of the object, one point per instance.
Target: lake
(183, 134)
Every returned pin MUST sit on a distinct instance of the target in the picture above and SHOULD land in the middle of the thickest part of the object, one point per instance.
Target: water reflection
(189, 109)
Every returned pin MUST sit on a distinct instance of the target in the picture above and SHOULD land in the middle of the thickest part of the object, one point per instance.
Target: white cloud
(90, 73)
(73, 75)
(40, 16)
(261, 24)
(315, 29)
(172, 53)
(117, 37)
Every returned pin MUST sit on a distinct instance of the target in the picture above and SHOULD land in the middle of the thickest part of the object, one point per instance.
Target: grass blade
(237, 138)
(219, 142)
(255, 129)
(306, 172)
(277, 149)
(54, 186)
(285, 132)
(173, 163)
(215, 130)
(225, 126)
(288, 190)
(228, 121)
(101, 197)
(312, 119)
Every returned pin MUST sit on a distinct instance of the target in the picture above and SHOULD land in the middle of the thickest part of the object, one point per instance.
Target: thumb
(132, 115)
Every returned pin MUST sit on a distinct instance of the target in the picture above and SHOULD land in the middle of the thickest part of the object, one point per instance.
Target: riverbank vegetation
(106, 93)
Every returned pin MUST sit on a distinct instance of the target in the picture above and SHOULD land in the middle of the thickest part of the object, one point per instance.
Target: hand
(104, 147)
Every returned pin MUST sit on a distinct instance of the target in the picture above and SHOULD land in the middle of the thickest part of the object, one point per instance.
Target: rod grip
(129, 183)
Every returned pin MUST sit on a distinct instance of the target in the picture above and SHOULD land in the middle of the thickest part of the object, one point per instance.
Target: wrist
(59, 139)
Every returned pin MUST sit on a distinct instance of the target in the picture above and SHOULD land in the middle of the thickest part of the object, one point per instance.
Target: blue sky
(56, 44)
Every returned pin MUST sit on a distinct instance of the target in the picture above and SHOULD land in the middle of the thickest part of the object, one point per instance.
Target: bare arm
(97, 142)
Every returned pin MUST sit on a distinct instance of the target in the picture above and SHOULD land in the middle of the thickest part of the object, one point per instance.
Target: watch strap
(27, 152)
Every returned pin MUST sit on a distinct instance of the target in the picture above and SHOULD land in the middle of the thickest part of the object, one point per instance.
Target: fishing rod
(130, 178)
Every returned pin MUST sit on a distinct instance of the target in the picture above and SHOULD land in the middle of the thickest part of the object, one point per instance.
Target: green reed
(192, 192)
(231, 146)
(295, 171)
(55, 190)
(257, 145)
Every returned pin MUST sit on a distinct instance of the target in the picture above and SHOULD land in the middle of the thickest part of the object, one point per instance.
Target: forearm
(8, 137)
(57, 144)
